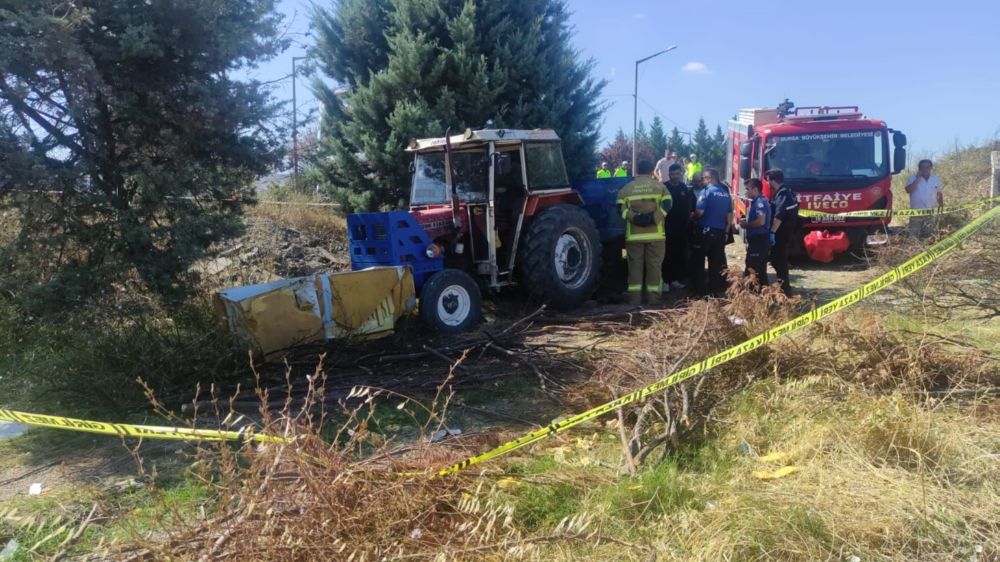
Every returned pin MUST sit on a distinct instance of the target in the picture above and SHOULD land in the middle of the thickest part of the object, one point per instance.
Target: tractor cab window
(546, 169)
(430, 186)
(829, 157)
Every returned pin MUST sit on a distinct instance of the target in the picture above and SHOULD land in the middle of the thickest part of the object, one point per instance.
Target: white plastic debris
(737, 321)
(416, 534)
(442, 433)
(10, 550)
(35, 489)
(854, 558)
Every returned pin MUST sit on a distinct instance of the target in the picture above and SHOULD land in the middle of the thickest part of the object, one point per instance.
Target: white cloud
(695, 68)
(638, 16)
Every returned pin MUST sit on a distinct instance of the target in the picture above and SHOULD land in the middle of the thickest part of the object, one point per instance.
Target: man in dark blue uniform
(757, 224)
(678, 225)
(784, 221)
(714, 213)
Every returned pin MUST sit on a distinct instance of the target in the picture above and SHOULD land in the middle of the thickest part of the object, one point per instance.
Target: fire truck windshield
(829, 157)
(430, 185)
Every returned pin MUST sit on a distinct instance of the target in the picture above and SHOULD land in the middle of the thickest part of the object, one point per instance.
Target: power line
(660, 113)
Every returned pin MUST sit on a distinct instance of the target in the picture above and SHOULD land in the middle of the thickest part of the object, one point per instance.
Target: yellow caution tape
(888, 213)
(131, 430)
(181, 433)
(868, 289)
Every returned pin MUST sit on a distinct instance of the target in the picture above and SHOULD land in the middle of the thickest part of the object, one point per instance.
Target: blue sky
(930, 69)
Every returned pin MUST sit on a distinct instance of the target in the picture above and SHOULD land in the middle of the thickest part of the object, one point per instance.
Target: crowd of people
(678, 217)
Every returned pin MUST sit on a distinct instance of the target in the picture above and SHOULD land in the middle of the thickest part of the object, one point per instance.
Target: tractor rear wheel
(450, 302)
(561, 257)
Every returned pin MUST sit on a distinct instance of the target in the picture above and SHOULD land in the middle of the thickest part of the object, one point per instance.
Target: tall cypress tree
(718, 147)
(641, 136)
(676, 143)
(701, 143)
(417, 67)
(657, 138)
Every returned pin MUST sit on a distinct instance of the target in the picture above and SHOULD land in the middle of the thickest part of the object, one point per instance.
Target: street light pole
(295, 127)
(635, 100)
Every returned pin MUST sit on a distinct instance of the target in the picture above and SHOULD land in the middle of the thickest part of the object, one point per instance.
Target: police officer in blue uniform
(757, 224)
(784, 221)
(714, 215)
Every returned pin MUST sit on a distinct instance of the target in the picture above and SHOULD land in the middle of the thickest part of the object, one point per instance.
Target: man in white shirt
(925, 193)
(662, 170)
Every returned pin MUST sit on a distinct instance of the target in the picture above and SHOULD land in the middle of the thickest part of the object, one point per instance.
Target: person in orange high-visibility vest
(644, 204)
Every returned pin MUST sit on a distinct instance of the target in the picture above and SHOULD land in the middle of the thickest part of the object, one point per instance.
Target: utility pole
(635, 100)
(995, 185)
(295, 127)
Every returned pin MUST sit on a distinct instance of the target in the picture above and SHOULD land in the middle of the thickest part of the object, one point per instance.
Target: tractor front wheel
(450, 302)
(561, 257)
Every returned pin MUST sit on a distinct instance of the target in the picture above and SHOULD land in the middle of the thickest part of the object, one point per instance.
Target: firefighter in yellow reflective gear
(644, 203)
(603, 172)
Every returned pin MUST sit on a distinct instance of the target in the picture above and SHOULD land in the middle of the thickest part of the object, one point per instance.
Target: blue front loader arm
(390, 239)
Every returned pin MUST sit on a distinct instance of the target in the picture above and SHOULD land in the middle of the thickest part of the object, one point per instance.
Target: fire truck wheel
(561, 257)
(450, 302)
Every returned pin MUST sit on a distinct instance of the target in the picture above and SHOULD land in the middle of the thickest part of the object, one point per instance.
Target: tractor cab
(494, 173)
(490, 207)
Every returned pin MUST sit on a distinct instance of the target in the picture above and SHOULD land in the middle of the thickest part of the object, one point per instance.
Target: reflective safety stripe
(648, 196)
(634, 288)
(658, 289)
(658, 199)
(645, 237)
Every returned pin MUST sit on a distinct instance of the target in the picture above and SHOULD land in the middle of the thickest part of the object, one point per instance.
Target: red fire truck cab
(834, 158)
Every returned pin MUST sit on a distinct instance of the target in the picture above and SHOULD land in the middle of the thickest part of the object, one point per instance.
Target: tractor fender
(540, 202)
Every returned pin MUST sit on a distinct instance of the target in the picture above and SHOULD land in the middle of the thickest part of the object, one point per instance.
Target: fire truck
(833, 157)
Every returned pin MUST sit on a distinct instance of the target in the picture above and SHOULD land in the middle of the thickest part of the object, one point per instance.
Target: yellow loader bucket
(274, 317)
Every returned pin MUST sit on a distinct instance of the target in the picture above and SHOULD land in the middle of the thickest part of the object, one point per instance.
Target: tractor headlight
(433, 251)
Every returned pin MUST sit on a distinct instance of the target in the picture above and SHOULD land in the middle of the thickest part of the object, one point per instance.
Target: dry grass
(672, 342)
(348, 493)
(881, 478)
(966, 283)
(299, 211)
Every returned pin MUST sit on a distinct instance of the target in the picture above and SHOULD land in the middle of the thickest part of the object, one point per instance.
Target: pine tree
(133, 112)
(657, 137)
(676, 143)
(445, 63)
(641, 136)
(701, 143)
(719, 147)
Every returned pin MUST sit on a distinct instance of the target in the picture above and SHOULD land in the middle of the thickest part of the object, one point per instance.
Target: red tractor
(488, 208)
(834, 158)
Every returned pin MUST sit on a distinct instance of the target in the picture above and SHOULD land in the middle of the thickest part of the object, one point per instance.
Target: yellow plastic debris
(274, 317)
(508, 482)
(780, 473)
(775, 457)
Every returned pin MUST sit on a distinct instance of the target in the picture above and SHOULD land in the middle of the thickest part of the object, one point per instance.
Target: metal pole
(635, 114)
(295, 131)
(635, 100)
(995, 185)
